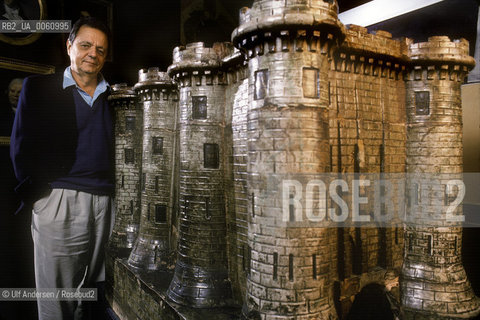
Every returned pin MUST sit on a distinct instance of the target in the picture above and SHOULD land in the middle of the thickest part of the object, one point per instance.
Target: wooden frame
(31, 37)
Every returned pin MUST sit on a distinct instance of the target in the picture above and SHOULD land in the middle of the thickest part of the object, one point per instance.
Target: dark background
(144, 35)
(146, 31)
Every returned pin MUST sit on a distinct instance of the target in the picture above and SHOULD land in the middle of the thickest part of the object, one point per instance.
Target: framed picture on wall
(12, 73)
(22, 10)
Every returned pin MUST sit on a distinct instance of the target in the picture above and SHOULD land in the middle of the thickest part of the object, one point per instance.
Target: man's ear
(69, 45)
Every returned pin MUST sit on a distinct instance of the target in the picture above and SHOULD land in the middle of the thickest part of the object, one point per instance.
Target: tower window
(290, 267)
(275, 266)
(129, 156)
(261, 84)
(211, 156)
(160, 213)
(129, 123)
(157, 145)
(311, 83)
(422, 103)
(199, 107)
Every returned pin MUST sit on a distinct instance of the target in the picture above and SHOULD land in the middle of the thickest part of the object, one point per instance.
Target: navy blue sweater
(92, 169)
(45, 143)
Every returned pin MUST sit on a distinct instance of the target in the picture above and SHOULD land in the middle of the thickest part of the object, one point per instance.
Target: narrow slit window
(249, 259)
(129, 156)
(410, 242)
(430, 245)
(291, 209)
(208, 214)
(290, 267)
(156, 184)
(275, 266)
(243, 257)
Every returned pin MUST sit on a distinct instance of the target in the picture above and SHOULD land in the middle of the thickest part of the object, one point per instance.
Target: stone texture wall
(367, 135)
(303, 97)
(158, 97)
(288, 259)
(237, 98)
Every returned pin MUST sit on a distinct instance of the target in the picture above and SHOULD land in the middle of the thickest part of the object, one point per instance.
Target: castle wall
(367, 135)
(315, 98)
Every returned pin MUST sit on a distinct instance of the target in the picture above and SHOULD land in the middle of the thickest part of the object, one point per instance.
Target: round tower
(158, 97)
(128, 163)
(290, 253)
(434, 283)
(201, 273)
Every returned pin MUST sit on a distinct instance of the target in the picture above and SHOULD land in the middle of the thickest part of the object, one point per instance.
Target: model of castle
(202, 150)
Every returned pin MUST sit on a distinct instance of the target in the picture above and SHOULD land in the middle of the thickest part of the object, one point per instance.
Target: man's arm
(23, 140)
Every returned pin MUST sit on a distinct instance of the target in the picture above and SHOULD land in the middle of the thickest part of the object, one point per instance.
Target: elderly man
(13, 92)
(62, 152)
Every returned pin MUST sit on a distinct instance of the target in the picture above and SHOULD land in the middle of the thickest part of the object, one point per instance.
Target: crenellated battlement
(295, 22)
(379, 43)
(121, 91)
(123, 96)
(153, 76)
(155, 85)
(296, 40)
(372, 54)
(441, 50)
(195, 57)
(439, 59)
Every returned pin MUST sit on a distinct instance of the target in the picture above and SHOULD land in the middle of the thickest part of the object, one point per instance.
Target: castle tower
(289, 255)
(435, 285)
(201, 273)
(158, 96)
(128, 162)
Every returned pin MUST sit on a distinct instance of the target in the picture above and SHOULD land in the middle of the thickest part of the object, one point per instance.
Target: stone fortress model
(201, 154)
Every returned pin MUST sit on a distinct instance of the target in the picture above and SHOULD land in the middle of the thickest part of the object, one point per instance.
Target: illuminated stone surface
(302, 96)
(158, 97)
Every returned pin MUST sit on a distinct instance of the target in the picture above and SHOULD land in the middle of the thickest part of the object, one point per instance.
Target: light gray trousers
(70, 230)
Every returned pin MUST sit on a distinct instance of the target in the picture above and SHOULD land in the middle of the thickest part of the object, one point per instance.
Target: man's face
(14, 92)
(88, 51)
